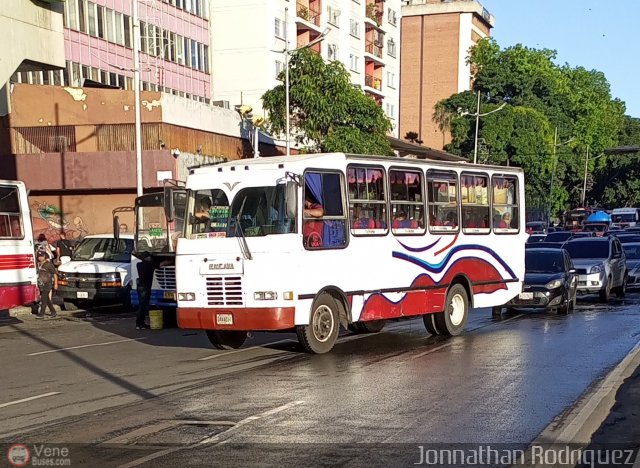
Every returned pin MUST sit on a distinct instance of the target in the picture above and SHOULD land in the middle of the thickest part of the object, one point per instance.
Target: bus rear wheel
(226, 339)
(452, 321)
(430, 324)
(322, 332)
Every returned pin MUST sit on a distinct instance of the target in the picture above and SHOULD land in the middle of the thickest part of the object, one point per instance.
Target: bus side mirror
(116, 227)
(291, 199)
(169, 207)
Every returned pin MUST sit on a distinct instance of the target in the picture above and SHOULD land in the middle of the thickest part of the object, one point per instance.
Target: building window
(392, 17)
(391, 110)
(91, 15)
(279, 28)
(353, 62)
(279, 68)
(101, 25)
(333, 16)
(180, 50)
(354, 28)
(391, 80)
(72, 14)
(391, 48)
(82, 15)
(127, 30)
(332, 52)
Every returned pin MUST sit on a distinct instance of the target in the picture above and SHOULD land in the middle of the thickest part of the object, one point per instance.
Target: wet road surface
(163, 397)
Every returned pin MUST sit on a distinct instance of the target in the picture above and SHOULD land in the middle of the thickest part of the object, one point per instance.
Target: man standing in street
(146, 267)
(47, 281)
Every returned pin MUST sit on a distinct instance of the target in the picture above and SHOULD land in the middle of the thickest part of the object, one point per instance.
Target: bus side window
(324, 217)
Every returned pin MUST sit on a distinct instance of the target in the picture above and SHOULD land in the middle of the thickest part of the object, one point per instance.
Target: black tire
(452, 321)
(605, 294)
(69, 306)
(573, 303)
(430, 324)
(371, 326)
(320, 335)
(226, 339)
(621, 290)
(354, 328)
(496, 311)
(565, 307)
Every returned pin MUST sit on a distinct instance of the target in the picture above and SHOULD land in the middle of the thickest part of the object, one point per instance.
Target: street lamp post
(477, 115)
(584, 183)
(136, 95)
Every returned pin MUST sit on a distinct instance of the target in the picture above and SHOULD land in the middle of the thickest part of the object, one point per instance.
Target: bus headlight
(287, 295)
(188, 296)
(265, 295)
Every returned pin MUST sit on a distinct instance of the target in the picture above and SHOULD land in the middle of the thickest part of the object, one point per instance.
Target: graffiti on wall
(49, 220)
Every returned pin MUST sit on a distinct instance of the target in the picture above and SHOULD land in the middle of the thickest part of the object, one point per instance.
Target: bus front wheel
(226, 339)
(453, 319)
(322, 332)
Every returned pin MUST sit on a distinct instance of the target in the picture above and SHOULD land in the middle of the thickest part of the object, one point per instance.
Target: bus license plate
(224, 319)
(82, 295)
(169, 295)
(526, 296)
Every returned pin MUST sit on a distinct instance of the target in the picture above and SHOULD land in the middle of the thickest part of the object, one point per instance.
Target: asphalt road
(165, 398)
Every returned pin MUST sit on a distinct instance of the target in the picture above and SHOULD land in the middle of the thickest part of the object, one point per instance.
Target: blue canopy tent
(599, 217)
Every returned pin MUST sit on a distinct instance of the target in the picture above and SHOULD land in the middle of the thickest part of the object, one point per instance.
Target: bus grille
(225, 291)
(166, 277)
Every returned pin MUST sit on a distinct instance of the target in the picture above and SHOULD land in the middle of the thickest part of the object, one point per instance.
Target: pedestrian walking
(47, 281)
(42, 244)
(63, 248)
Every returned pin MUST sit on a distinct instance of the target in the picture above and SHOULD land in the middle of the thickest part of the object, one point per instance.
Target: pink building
(98, 46)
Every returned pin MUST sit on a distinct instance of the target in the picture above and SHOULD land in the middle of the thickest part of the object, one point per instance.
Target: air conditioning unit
(223, 104)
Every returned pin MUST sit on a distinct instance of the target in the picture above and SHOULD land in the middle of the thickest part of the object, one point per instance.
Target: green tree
(327, 113)
(542, 97)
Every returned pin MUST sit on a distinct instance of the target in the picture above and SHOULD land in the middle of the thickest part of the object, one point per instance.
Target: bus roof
(307, 160)
(624, 210)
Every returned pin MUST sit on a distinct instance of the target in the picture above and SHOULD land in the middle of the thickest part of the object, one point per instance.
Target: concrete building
(74, 149)
(248, 40)
(98, 39)
(436, 38)
(33, 39)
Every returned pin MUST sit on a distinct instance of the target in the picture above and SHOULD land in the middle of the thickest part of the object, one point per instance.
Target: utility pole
(136, 95)
(584, 184)
(475, 144)
(286, 78)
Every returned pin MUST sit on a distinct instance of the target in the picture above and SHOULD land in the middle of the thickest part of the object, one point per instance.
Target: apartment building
(248, 43)
(436, 38)
(98, 46)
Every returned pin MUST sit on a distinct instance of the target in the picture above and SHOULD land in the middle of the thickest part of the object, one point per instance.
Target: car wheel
(453, 319)
(565, 307)
(69, 306)
(621, 291)
(605, 293)
(496, 311)
(430, 324)
(319, 336)
(226, 339)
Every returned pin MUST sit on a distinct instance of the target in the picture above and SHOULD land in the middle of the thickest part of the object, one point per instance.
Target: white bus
(396, 238)
(17, 263)
(624, 217)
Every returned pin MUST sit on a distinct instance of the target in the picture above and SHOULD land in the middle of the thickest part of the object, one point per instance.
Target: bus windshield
(623, 218)
(154, 233)
(260, 211)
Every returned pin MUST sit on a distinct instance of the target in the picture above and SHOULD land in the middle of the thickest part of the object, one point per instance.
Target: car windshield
(543, 262)
(623, 218)
(260, 210)
(588, 249)
(558, 236)
(104, 249)
(632, 251)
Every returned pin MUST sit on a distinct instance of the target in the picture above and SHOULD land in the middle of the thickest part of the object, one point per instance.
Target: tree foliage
(553, 113)
(327, 113)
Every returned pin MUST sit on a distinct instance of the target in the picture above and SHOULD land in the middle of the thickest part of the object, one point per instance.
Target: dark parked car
(627, 238)
(536, 227)
(533, 238)
(578, 234)
(544, 245)
(550, 281)
(601, 266)
(558, 236)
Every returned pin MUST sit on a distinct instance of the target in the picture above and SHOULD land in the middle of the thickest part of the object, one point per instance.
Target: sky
(594, 34)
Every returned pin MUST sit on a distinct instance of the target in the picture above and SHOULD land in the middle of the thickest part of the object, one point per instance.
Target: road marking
(24, 400)
(214, 439)
(85, 346)
(227, 353)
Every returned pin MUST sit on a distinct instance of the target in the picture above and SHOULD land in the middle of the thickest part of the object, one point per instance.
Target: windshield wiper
(244, 247)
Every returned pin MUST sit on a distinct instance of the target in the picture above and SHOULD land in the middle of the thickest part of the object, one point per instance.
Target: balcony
(308, 15)
(373, 84)
(374, 49)
(374, 13)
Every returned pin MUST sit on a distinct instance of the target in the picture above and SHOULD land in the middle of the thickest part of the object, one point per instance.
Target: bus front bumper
(254, 318)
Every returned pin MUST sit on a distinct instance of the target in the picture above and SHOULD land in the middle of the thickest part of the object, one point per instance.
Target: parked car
(550, 281)
(601, 266)
(627, 238)
(99, 270)
(544, 245)
(632, 254)
(536, 227)
(558, 236)
(580, 234)
(533, 238)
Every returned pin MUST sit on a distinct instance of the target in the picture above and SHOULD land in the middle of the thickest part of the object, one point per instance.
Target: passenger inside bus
(312, 230)
(400, 221)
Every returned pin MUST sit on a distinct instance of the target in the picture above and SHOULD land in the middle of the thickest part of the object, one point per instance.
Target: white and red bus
(17, 263)
(381, 238)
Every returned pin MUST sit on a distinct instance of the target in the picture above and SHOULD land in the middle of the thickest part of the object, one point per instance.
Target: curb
(577, 425)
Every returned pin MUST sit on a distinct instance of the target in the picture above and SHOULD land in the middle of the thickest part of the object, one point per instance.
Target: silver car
(632, 254)
(601, 266)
